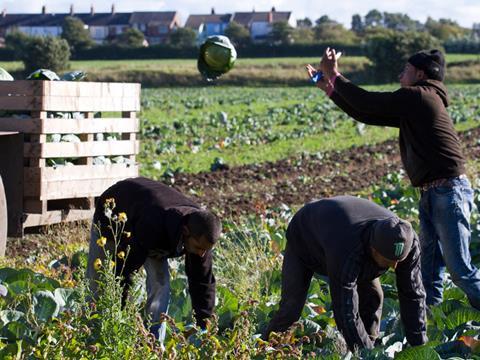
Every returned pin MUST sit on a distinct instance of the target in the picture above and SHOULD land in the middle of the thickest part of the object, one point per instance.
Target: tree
(131, 37)
(303, 35)
(304, 23)
(357, 24)
(183, 37)
(445, 29)
(18, 42)
(76, 34)
(328, 30)
(374, 18)
(400, 22)
(48, 52)
(281, 33)
(324, 19)
(390, 50)
(238, 34)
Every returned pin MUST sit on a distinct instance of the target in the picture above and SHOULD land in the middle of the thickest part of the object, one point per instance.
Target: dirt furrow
(298, 179)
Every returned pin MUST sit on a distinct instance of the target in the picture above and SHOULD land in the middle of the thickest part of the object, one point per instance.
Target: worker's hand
(323, 83)
(329, 64)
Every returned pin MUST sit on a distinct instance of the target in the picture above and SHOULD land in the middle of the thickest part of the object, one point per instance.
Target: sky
(465, 12)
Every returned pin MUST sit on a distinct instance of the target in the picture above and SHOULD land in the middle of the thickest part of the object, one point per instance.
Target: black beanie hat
(392, 238)
(432, 62)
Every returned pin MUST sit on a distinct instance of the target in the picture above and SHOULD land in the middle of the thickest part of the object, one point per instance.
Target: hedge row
(109, 52)
(252, 51)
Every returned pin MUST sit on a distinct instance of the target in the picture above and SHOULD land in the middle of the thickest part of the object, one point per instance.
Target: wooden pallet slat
(70, 126)
(20, 88)
(74, 103)
(80, 149)
(57, 216)
(74, 188)
(47, 183)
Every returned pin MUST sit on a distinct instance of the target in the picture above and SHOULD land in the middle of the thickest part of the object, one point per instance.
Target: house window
(163, 29)
(152, 30)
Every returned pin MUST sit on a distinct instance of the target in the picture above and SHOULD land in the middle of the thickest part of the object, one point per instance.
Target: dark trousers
(296, 277)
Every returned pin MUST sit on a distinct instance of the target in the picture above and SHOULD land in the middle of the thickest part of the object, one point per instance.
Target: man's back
(326, 231)
(154, 212)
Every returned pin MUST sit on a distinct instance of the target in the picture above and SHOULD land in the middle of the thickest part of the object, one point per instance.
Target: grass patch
(188, 128)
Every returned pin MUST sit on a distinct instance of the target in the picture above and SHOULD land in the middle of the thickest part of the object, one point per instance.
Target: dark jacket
(155, 215)
(331, 237)
(429, 145)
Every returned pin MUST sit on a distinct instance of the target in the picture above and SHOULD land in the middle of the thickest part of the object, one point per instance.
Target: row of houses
(155, 25)
(259, 24)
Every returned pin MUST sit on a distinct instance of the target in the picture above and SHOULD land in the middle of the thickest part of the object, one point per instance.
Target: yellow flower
(97, 264)
(110, 202)
(121, 255)
(101, 241)
(122, 217)
(112, 264)
(69, 283)
(127, 234)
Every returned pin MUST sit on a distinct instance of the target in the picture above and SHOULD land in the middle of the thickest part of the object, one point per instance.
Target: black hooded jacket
(429, 145)
(156, 213)
(331, 237)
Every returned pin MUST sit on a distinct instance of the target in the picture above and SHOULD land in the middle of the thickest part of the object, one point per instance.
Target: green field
(46, 311)
(188, 128)
(172, 64)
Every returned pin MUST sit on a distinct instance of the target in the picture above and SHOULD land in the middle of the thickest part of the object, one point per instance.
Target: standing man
(352, 241)
(159, 223)
(432, 156)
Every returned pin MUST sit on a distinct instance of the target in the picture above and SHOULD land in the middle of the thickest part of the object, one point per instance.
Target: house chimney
(273, 8)
(4, 12)
(44, 10)
(72, 12)
(113, 9)
(213, 11)
(92, 10)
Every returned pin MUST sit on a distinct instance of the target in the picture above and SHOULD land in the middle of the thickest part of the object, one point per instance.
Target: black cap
(432, 62)
(392, 238)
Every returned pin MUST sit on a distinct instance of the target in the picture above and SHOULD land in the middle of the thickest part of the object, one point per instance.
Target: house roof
(96, 19)
(158, 17)
(31, 19)
(194, 21)
(13, 19)
(246, 18)
(104, 19)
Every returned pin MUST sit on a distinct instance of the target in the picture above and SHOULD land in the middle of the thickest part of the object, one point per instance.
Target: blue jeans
(445, 238)
(158, 283)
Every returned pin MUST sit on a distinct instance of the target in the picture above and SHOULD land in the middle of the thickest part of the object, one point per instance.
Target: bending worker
(161, 223)
(352, 241)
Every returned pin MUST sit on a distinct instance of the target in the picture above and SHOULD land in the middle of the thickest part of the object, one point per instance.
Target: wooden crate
(66, 193)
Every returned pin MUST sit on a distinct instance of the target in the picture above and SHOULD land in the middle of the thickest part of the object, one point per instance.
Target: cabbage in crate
(217, 56)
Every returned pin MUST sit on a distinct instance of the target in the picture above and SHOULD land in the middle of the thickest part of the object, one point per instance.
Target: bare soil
(299, 179)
